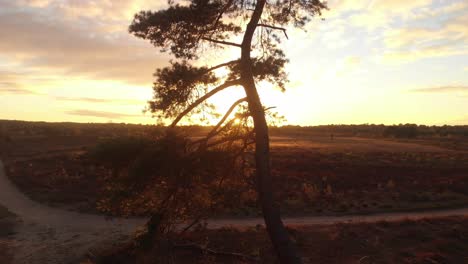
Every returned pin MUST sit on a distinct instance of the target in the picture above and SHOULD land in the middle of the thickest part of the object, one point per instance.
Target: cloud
(14, 88)
(398, 57)
(410, 30)
(99, 100)
(52, 43)
(413, 43)
(23, 91)
(103, 114)
(352, 60)
(373, 14)
(34, 3)
(442, 89)
(429, 13)
(348, 65)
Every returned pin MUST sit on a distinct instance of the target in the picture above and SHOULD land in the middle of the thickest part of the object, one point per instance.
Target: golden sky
(369, 61)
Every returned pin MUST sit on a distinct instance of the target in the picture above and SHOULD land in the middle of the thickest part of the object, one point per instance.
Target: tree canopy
(187, 29)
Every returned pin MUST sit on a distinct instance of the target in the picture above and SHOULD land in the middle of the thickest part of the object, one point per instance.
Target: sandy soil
(50, 235)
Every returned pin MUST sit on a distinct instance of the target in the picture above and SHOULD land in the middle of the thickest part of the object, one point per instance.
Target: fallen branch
(204, 250)
(194, 222)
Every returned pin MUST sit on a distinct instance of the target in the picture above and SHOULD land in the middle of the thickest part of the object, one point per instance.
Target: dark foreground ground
(425, 241)
(7, 222)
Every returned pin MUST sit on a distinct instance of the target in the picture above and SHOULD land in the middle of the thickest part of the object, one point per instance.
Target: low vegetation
(314, 181)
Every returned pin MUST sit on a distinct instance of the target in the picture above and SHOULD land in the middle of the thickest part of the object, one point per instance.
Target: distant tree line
(372, 130)
(11, 129)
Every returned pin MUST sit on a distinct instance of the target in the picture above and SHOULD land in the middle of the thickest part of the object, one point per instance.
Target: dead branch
(214, 132)
(226, 115)
(204, 98)
(203, 250)
(194, 222)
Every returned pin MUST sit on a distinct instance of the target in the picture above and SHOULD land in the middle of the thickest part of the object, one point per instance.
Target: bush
(119, 152)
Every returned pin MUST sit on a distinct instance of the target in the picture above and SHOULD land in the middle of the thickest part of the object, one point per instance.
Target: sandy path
(50, 235)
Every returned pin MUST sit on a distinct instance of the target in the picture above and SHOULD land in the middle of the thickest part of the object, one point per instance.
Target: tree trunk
(279, 236)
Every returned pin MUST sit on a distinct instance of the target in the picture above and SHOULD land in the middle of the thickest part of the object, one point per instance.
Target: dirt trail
(51, 235)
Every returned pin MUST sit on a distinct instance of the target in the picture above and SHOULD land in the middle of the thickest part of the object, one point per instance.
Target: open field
(362, 175)
(315, 175)
(353, 144)
(318, 175)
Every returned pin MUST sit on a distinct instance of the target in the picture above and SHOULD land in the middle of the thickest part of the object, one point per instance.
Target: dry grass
(318, 175)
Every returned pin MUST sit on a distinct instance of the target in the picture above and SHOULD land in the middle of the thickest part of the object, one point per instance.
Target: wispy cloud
(413, 43)
(99, 100)
(348, 65)
(102, 114)
(12, 88)
(442, 89)
(51, 40)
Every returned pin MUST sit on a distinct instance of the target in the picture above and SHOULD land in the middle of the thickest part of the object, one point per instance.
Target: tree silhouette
(187, 29)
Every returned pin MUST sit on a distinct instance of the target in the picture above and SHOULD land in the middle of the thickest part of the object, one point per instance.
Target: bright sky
(369, 61)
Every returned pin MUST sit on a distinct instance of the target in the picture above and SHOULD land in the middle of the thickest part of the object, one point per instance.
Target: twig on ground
(203, 250)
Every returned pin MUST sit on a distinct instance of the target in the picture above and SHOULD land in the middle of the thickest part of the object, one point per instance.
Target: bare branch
(226, 115)
(214, 131)
(204, 98)
(194, 222)
(203, 141)
(222, 42)
(274, 27)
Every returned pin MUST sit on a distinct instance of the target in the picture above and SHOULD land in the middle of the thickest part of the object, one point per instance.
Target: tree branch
(194, 222)
(222, 65)
(274, 27)
(213, 132)
(221, 14)
(226, 115)
(228, 139)
(203, 98)
(222, 42)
